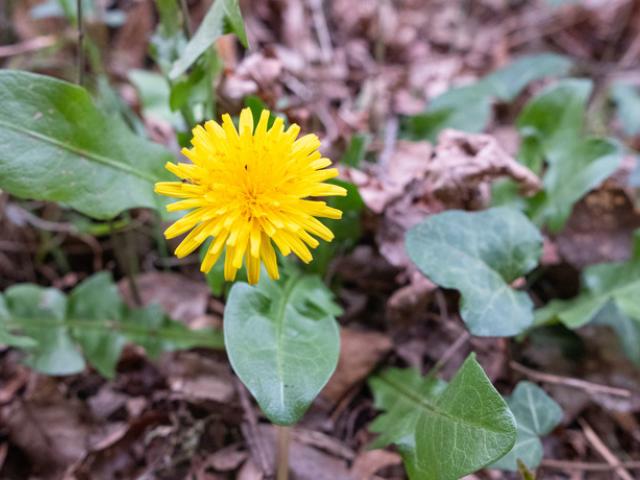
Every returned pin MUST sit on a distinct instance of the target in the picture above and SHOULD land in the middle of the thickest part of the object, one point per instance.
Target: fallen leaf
(369, 462)
(600, 228)
(227, 459)
(196, 377)
(360, 352)
(464, 165)
(130, 44)
(49, 427)
(385, 183)
(181, 298)
(409, 302)
(305, 463)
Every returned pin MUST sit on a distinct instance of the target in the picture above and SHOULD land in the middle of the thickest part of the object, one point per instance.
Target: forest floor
(340, 68)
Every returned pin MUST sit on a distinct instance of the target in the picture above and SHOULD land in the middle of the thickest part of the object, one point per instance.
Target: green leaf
(397, 391)
(95, 319)
(56, 145)
(627, 100)
(443, 431)
(6, 338)
(608, 297)
(617, 282)
(347, 231)
(169, 40)
(224, 16)
(356, 150)
(465, 108)
(507, 82)
(480, 254)
(283, 342)
(468, 108)
(626, 328)
(536, 415)
(34, 306)
(153, 91)
(551, 125)
(97, 300)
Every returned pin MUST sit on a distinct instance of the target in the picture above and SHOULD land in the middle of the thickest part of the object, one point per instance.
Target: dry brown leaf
(388, 182)
(196, 377)
(305, 463)
(51, 429)
(130, 45)
(464, 165)
(600, 228)
(369, 462)
(255, 73)
(360, 352)
(181, 298)
(407, 303)
(227, 459)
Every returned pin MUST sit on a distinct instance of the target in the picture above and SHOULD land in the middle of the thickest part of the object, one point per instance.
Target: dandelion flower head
(248, 189)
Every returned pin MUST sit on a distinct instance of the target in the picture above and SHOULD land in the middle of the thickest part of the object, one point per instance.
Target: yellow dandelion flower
(248, 190)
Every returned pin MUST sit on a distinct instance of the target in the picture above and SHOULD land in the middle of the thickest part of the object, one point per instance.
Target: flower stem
(282, 459)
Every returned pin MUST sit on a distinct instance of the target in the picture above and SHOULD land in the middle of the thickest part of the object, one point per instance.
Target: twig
(449, 352)
(603, 450)
(571, 382)
(27, 46)
(586, 466)
(320, 25)
(390, 136)
(126, 259)
(60, 227)
(80, 27)
(251, 434)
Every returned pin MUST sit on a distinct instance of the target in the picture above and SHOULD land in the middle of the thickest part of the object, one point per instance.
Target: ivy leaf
(465, 108)
(41, 313)
(617, 282)
(626, 328)
(223, 17)
(96, 300)
(551, 125)
(6, 338)
(536, 415)
(480, 254)
(507, 82)
(56, 145)
(443, 431)
(608, 297)
(283, 342)
(92, 321)
(468, 108)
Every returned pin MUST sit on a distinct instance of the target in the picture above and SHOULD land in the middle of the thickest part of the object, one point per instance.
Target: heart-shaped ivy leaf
(443, 431)
(480, 254)
(536, 415)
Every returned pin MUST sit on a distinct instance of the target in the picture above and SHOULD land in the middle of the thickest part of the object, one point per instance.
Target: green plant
(80, 147)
